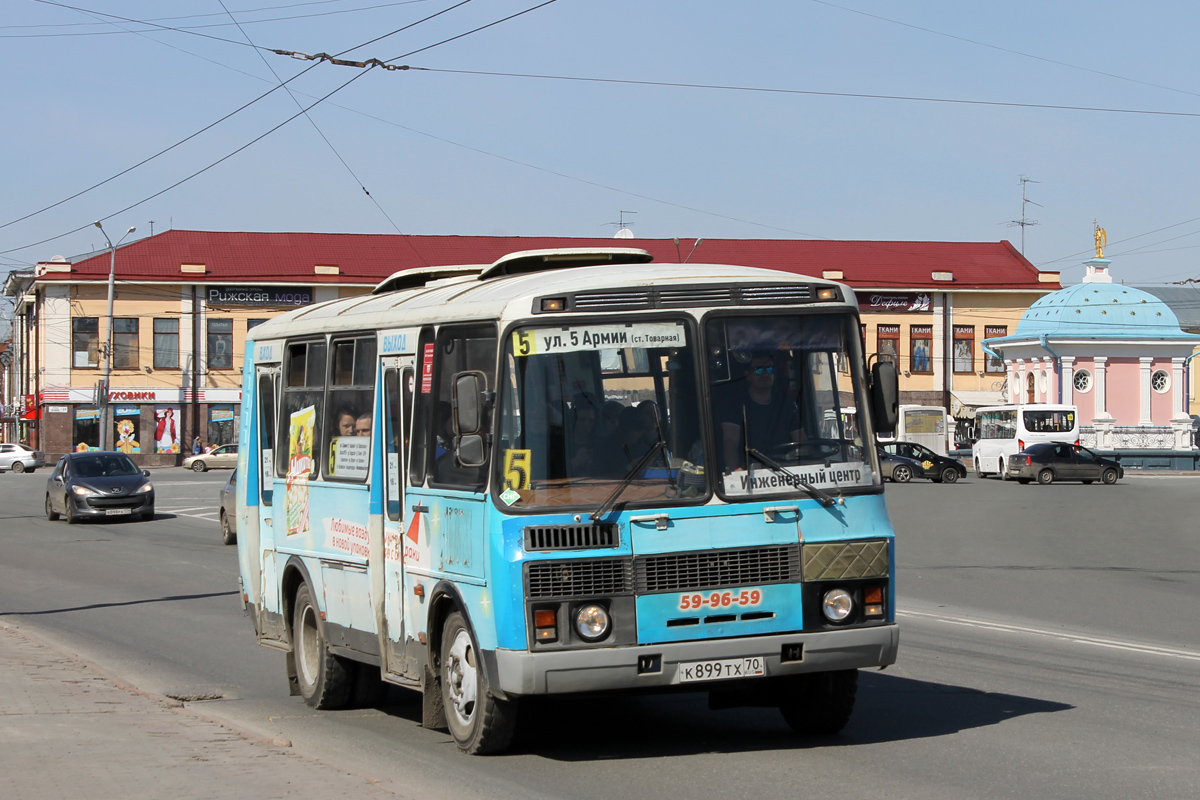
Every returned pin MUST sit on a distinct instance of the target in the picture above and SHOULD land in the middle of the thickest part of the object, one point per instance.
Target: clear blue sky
(446, 153)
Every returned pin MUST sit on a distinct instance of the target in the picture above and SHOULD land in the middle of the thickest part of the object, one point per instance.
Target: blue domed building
(1115, 352)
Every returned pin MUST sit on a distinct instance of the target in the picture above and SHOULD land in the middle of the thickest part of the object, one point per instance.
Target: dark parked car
(897, 468)
(925, 462)
(228, 513)
(1059, 461)
(99, 484)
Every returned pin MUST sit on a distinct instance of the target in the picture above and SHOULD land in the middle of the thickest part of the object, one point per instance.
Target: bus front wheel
(325, 680)
(478, 722)
(820, 703)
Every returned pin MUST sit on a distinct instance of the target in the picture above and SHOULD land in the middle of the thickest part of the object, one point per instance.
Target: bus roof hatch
(527, 261)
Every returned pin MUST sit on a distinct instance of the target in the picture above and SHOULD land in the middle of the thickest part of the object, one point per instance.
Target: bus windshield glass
(779, 387)
(583, 407)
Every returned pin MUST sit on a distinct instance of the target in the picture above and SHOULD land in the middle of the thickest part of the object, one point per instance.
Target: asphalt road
(1049, 648)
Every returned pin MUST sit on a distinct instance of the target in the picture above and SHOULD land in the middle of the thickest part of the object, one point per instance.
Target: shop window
(85, 342)
(221, 427)
(964, 348)
(351, 413)
(887, 338)
(125, 343)
(166, 429)
(166, 344)
(220, 344)
(992, 363)
(253, 323)
(85, 432)
(921, 347)
(126, 429)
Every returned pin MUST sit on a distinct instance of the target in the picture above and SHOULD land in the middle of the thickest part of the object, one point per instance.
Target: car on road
(223, 457)
(20, 458)
(228, 512)
(1048, 462)
(924, 463)
(896, 468)
(99, 484)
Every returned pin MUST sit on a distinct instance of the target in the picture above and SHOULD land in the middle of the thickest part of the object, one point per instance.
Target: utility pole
(1023, 222)
(102, 391)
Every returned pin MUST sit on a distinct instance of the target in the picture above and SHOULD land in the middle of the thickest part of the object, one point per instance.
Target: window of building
(1082, 381)
(125, 343)
(221, 426)
(351, 416)
(921, 344)
(166, 344)
(85, 342)
(85, 432)
(964, 348)
(220, 344)
(887, 338)
(127, 423)
(992, 363)
(1160, 381)
(253, 323)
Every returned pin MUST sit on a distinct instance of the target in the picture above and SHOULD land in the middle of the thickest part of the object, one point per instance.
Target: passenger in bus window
(345, 421)
(362, 425)
(611, 411)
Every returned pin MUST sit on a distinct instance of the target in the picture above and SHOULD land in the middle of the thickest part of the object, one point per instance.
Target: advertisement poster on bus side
(301, 425)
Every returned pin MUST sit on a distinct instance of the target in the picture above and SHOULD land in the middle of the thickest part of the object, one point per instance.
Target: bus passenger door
(261, 546)
(398, 378)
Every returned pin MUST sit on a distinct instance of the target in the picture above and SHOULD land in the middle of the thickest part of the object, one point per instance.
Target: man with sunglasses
(766, 408)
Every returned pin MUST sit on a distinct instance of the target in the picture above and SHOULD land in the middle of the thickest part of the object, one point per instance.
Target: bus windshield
(779, 388)
(583, 405)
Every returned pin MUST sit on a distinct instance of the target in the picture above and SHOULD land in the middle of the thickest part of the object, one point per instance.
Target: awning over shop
(963, 402)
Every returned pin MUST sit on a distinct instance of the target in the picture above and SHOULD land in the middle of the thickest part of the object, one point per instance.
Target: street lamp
(105, 417)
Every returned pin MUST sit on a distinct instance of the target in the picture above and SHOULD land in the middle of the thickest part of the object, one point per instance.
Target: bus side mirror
(470, 451)
(468, 406)
(885, 396)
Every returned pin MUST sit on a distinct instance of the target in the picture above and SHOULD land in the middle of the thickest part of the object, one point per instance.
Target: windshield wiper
(824, 498)
(638, 466)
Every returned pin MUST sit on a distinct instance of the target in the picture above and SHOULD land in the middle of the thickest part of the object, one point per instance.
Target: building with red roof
(185, 299)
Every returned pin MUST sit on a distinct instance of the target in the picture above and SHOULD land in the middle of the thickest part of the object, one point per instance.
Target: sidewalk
(67, 731)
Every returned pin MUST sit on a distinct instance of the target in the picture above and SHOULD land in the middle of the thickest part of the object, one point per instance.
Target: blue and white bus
(569, 471)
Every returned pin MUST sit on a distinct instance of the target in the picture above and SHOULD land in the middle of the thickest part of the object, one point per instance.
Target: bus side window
(421, 409)
(394, 440)
(300, 417)
(460, 349)
(266, 432)
(351, 396)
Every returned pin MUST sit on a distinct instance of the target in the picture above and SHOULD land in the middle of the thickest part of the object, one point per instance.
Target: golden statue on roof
(1101, 239)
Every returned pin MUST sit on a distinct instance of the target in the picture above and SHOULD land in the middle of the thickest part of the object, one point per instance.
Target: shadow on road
(171, 599)
(615, 727)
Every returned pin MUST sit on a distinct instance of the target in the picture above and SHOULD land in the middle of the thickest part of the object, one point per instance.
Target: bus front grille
(583, 577)
(571, 537)
(832, 561)
(714, 569)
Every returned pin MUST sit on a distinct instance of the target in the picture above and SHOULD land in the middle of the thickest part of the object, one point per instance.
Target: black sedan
(98, 484)
(1059, 461)
(923, 462)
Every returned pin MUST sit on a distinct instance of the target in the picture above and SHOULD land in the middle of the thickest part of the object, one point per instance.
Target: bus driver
(769, 414)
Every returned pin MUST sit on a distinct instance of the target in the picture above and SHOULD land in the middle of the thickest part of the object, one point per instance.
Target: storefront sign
(259, 295)
(130, 395)
(57, 409)
(899, 302)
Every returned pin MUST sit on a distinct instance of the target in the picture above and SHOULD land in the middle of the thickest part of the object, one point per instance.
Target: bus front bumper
(607, 669)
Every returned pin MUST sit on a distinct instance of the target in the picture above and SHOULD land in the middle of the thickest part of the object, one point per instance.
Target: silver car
(223, 457)
(20, 458)
(228, 511)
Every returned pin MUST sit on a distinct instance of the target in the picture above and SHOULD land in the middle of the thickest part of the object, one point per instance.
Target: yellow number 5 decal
(516, 468)
(524, 343)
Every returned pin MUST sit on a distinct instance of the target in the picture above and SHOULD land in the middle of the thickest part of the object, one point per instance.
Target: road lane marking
(1095, 641)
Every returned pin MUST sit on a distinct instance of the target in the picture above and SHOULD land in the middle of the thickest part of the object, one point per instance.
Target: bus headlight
(592, 622)
(837, 605)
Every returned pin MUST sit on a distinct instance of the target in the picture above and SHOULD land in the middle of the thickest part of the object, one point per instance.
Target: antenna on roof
(1024, 223)
(623, 227)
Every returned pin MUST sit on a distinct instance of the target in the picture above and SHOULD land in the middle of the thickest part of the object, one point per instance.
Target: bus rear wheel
(820, 703)
(325, 680)
(479, 723)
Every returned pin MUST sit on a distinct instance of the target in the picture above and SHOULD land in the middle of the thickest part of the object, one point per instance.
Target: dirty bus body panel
(569, 471)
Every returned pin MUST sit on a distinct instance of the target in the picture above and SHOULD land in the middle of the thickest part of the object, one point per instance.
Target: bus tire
(1109, 476)
(949, 475)
(478, 722)
(325, 680)
(979, 473)
(820, 703)
(1045, 477)
(1003, 472)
